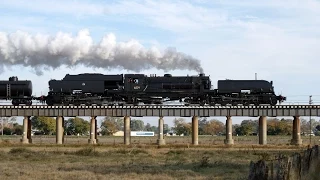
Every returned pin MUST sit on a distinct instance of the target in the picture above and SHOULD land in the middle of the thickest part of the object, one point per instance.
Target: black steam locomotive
(134, 89)
(99, 89)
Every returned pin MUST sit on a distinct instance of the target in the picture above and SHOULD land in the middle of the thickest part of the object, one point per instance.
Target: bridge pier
(29, 130)
(93, 131)
(26, 136)
(59, 130)
(160, 140)
(63, 131)
(296, 136)
(229, 140)
(263, 130)
(127, 133)
(195, 129)
(96, 129)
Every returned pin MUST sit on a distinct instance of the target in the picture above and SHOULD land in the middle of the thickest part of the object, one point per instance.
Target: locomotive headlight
(83, 84)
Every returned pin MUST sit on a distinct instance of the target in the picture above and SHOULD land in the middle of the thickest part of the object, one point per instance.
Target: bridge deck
(160, 110)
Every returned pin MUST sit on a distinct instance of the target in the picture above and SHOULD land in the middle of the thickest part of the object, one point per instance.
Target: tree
(166, 128)
(8, 121)
(7, 131)
(253, 124)
(202, 123)
(285, 127)
(272, 128)
(12, 120)
(17, 129)
(234, 127)
(214, 127)
(279, 127)
(77, 125)
(44, 124)
(181, 127)
(305, 125)
(155, 129)
(239, 131)
(178, 121)
(248, 127)
(147, 127)
(111, 125)
(137, 125)
(245, 129)
(10, 126)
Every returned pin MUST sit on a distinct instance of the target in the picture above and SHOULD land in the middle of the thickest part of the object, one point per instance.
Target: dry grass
(99, 162)
(203, 140)
(141, 160)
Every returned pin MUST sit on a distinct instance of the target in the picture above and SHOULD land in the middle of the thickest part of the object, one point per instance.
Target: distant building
(142, 133)
(308, 133)
(118, 133)
(172, 133)
(135, 133)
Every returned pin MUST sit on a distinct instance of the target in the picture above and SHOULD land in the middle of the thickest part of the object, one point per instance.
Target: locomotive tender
(100, 89)
(20, 92)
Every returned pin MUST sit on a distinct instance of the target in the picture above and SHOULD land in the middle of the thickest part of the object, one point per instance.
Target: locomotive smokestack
(255, 76)
(43, 51)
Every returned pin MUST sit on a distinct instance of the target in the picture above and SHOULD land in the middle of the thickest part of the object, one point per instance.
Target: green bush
(7, 131)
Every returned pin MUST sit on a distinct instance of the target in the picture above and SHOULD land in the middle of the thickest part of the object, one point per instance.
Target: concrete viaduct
(161, 111)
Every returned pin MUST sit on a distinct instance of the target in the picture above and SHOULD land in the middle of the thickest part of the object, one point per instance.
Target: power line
(310, 102)
(306, 102)
(301, 95)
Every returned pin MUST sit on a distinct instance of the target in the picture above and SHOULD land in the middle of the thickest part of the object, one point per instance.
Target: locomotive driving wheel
(273, 101)
(256, 103)
(15, 102)
(234, 103)
(28, 102)
(202, 102)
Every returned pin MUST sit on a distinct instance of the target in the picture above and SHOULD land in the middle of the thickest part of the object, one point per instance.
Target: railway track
(167, 106)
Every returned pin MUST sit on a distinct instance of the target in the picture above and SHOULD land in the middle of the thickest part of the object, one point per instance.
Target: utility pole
(310, 102)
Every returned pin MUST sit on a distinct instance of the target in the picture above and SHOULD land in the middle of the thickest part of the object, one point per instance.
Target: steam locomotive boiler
(20, 92)
(85, 89)
(158, 89)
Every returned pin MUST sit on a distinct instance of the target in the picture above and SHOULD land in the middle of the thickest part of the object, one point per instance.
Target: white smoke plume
(43, 51)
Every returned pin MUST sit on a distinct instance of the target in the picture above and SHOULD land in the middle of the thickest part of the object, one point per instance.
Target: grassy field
(203, 140)
(141, 160)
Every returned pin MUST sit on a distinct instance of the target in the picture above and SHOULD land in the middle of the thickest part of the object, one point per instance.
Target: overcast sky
(278, 40)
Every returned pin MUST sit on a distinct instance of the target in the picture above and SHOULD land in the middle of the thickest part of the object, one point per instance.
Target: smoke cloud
(43, 51)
